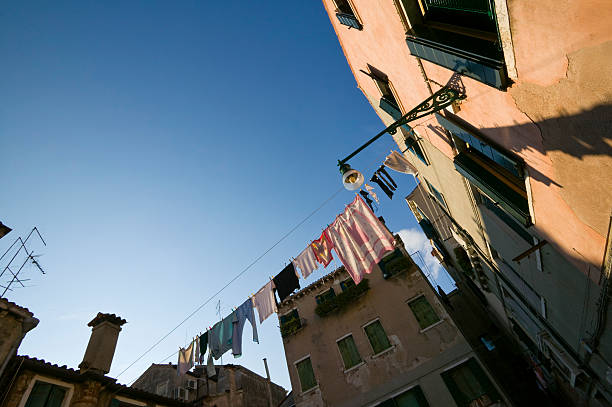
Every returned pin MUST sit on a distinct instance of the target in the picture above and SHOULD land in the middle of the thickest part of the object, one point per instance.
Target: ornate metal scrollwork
(438, 101)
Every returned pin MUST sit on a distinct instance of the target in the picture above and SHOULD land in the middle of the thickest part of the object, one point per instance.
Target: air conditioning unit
(181, 394)
(192, 384)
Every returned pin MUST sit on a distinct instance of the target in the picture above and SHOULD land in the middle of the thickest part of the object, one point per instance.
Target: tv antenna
(19, 247)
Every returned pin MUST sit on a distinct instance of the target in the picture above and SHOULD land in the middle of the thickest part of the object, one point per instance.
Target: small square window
(348, 351)
(306, 374)
(347, 284)
(325, 296)
(377, 337)
(423, 312)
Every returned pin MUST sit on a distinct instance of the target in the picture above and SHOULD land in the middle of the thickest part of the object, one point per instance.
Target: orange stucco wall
(556, 115)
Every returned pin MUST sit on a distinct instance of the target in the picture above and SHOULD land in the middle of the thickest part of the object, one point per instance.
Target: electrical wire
(229, 283)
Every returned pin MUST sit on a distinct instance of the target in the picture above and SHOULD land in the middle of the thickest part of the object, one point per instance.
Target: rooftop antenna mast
(20, 243)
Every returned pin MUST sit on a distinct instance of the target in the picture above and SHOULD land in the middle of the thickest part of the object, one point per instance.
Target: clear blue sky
(160, 148)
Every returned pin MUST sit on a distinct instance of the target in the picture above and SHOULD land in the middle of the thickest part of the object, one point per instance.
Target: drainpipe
(269, 383)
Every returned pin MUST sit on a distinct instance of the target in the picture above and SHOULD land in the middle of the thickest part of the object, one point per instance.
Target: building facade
(232, 386)
(385, 342)
(31, 382)
(521, 165)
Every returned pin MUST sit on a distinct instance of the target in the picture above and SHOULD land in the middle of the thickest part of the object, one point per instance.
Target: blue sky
(160, 148)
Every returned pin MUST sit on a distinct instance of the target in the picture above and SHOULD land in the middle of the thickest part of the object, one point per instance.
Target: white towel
(306, 261)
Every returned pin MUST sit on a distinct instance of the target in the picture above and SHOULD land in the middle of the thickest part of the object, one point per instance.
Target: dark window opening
(347, 284)
(325, 296)
(470, 386)
(46, 395)
(346, 15)
(411, 398)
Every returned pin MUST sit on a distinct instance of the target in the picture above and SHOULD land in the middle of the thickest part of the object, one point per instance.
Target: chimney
(101, 347)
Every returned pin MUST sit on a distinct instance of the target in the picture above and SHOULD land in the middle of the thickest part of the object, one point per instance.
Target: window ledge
(388, 350)
(355, 367)
(312, 389)
(431, 326)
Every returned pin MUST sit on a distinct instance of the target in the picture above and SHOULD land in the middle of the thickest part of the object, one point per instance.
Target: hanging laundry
(322, 249)
(382, 173)
(365, 196)
(286, 282)
(264, 301)
(360, 239)
(185, 359)
(382, 186)
(242, 313)
(220, 336)
(210, 366)
(203, 346)
(372, 193)
(306, 261)
(397, 162)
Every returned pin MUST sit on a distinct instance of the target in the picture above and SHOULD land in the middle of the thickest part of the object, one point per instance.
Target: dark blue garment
(244, 312)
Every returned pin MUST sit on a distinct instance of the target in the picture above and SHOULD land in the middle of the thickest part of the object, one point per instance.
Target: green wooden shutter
(349, 352)
(39, 395)
(306, 374)
(412, 398)
(56, 397)
(423, 312)
(377, 337)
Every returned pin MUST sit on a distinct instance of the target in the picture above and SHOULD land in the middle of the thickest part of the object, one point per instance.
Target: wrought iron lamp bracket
(438, 101)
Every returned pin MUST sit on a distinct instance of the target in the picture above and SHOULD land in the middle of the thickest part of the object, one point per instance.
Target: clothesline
(393, 164)
(360, 241)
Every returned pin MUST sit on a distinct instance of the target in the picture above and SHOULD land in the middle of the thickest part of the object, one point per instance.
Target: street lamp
(353, 179)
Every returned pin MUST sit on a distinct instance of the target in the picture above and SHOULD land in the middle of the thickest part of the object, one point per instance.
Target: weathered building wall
(416, 357)
(563, 61)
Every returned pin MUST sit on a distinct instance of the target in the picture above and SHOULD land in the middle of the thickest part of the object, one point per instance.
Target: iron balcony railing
(470, 6)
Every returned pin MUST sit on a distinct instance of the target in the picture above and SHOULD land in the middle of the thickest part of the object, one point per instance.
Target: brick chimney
(101, 347)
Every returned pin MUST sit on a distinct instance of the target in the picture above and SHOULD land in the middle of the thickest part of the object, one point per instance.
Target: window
(470, 386)
(458, 35)
(394, 263)
(423, 312)
(377, 337)
(162, 389)
(290, 323)
(306, 374)
(46, 395)
(346, 15)
(348, 351)
(122, 403)
(325, 296)
(437, 194)
(411, 398)
(388, 101)
(412, 144)
(494, 172)
(347, 284)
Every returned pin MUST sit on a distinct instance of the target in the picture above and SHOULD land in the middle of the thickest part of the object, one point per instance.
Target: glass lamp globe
(352, 180)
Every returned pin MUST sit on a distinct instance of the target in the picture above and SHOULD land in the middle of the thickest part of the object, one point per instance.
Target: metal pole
(270, 403)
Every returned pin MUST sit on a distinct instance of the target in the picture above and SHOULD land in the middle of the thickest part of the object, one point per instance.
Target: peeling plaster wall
(415, 358)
